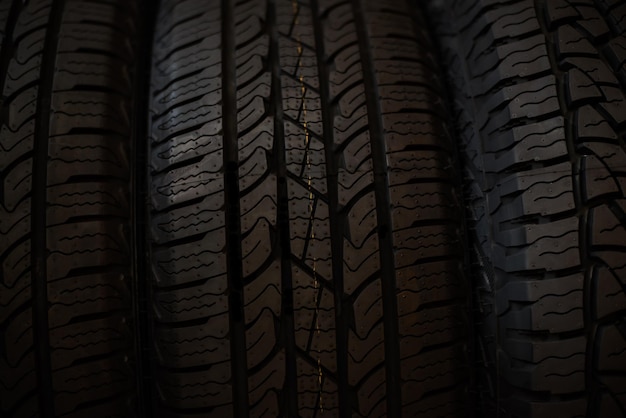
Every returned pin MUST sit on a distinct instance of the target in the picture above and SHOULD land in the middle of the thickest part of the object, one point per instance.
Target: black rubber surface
(65, 138)
(539, 90)
(306, 256)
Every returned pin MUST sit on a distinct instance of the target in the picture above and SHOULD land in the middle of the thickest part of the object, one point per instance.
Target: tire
(66, 72)
(306, 228)
(539, 92)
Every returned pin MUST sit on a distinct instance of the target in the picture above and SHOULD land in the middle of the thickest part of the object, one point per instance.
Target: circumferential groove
(233, 223)
(383, 213)
(38, 213)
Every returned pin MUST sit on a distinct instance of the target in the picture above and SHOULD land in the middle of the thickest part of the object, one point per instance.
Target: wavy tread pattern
(65, 191)
(310, 238)
(539, 90)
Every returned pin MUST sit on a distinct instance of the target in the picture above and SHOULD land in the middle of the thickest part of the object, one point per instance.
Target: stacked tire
(306, 235)
(539, 98)
(69, 86)
(312, 208)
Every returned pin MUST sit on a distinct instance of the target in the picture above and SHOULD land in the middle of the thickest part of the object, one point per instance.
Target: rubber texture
(306, 228)
(539, 93)
(66, 344)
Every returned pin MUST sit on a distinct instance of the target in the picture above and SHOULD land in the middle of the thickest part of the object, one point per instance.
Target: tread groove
(141, 292)
(233, 223)
(38, 213)
(336, 218)
(284, 241)
(383, 213)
